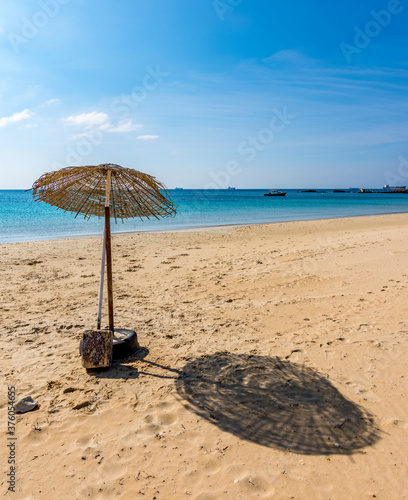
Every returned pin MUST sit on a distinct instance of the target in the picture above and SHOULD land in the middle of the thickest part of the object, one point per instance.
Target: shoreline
(201, 228)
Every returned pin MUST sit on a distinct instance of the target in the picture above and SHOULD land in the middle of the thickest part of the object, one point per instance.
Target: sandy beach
(272, 364)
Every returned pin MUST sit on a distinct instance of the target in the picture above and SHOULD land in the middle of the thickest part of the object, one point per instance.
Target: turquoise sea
(22, 219)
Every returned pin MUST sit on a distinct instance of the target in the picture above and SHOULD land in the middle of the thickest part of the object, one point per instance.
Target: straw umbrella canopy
(106, 190)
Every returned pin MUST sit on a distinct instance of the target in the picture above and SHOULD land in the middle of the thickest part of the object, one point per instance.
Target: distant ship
(231, 188)
(179, 189)
(387, 186)
(275, 192)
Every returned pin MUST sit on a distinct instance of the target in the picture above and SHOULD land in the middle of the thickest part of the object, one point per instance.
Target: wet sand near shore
(272, 363)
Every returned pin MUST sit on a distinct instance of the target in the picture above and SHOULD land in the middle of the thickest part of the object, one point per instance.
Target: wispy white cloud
(16, 117)
(105, 126)
(126, 126)
(52, 101)
(82, 135)
(288, 57)
(147, 137)
(88, 120)
(100, 121)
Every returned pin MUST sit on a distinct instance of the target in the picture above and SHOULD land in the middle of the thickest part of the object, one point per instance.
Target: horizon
(224, 93)
(233, 188)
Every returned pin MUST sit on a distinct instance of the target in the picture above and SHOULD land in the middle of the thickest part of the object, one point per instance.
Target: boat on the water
(231, 188)
(385, 191)
(393, 188)
(275, 192)
(179, 189)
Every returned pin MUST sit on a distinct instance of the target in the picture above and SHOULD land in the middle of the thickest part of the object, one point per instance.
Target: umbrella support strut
(109, 253)
(101, 282)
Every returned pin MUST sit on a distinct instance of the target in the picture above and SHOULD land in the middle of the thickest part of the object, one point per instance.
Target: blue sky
(245, 93)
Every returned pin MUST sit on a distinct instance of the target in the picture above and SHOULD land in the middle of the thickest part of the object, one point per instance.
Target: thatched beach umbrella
(107, 191)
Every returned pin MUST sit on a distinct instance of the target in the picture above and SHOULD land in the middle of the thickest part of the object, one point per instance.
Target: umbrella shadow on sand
(275, 403)
(268, 401)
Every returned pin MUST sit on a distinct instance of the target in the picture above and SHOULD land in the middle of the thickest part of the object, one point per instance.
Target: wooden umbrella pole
(101, 282)
(109, 252)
